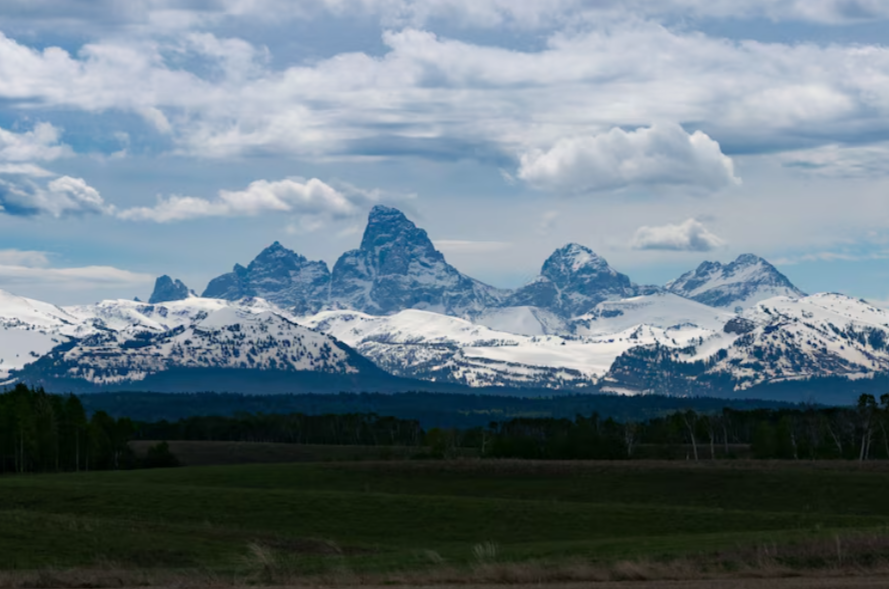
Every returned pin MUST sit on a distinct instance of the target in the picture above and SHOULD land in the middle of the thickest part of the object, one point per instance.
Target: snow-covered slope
(29, 329)
(432, 346)
(738, 285)
(663, 310)
(778, 340)
(228, 337)
(123, 342)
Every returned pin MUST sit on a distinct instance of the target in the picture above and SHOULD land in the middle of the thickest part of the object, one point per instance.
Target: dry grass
(864, 557)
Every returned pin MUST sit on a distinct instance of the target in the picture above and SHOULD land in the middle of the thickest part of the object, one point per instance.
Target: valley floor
(464, 522)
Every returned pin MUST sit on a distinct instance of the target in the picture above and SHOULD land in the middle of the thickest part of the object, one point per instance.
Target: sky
(179, 137)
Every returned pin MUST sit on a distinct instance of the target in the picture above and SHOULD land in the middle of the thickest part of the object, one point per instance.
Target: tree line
(42, 432)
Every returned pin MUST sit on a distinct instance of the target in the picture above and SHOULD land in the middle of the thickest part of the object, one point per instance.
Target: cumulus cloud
(690, 236)
(658, 155)
(312, 198)
(40, 143)
(62, 197)
(436, 97)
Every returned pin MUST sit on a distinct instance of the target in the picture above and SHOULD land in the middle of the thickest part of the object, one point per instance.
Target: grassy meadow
(378, 519)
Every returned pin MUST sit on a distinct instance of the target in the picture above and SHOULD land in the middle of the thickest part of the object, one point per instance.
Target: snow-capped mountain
(29, 329)
(777, 340)
(573, 280)
(397, 267)
(737, 285)
(431, 346)
(122, 343)
(278, 275)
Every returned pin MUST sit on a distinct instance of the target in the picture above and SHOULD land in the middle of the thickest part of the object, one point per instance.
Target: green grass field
(406, 515)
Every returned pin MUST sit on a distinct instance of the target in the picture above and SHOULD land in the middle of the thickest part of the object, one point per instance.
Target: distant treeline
(808, 433)
(803, 433)
(442, 410)
(41, 432)
(350, 429)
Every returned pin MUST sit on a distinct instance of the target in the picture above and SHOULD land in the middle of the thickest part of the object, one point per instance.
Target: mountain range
(395, 315)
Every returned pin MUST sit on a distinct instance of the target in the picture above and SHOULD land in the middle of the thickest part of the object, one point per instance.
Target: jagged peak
(167, 289)
(384, 211)
(388, 224)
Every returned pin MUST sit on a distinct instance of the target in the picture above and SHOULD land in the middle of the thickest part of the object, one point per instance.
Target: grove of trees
(41, 432)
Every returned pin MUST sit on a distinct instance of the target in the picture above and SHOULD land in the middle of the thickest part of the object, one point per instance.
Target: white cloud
(31, 170)
(292, 195)
(41, 143)
(663, 154)
(86, 278)
(436, 97)
(62, 197)
(27, 258)
(689, 236)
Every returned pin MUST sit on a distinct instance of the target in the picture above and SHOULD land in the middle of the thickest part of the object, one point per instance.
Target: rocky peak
(166, 289)
(574, 259)
(397, 267)
(279, 275)
(572, 281)
(393, 240)
(739, 284)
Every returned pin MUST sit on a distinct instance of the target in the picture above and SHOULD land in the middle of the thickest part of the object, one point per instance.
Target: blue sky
(147, 137)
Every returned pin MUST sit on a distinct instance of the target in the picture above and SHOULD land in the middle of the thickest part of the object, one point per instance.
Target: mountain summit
(572, 281)
(166, 289)
(278, 275)
(397, 267)
(737, 285)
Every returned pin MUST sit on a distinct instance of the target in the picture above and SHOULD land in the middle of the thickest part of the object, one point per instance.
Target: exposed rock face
(573, 280)
(278, 275)
(740, 284)
(739, 325)
(166, 289)
(397, 267)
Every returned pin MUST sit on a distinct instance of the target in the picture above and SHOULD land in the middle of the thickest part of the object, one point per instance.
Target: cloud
(312, 198)
(841, 161)
(481, 101)
(90, 277)
(41, 143)
(65, 196)
(30, 259)
(690, 236)
(662, 154)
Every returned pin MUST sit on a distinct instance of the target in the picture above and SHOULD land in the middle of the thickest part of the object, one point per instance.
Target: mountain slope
(778, 340)
(740, 284)
(126, 344)
(431, 346)
(397, 267)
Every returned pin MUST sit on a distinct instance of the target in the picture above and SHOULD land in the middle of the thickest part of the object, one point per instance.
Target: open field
(438, 522)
